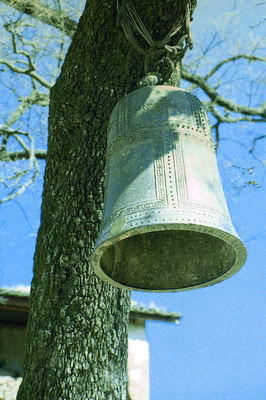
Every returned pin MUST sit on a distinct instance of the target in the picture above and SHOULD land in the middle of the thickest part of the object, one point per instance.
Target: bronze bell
(166, 225)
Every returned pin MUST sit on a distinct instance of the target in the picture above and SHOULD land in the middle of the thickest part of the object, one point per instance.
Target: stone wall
(8, 386)
(138, 362)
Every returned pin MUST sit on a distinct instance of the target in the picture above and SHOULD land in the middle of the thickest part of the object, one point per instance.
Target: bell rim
(232, 240)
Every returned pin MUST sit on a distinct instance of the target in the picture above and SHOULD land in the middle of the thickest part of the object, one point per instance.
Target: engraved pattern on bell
(166, 225)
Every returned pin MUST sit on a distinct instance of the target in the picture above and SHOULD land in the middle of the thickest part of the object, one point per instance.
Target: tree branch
(27, 71)
(26, 153)
(227, 118)
(30, 69)
(19, 181)
(255, 142)
(222, 101)
(35, 97)
(231, 59)
(22, 155)
(44, 14)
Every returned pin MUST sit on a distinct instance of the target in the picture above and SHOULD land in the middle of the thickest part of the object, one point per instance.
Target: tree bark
(77, 331)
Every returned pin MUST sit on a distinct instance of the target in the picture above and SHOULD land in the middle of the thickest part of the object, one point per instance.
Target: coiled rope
(160, 58)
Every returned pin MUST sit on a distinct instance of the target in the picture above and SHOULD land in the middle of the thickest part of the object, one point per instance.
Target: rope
(161, 58)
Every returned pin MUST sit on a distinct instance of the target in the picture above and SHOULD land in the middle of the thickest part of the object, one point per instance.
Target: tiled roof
(14, 304)
(152, 312)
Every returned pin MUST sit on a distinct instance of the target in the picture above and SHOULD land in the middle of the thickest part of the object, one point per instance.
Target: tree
(77, 331)
(28, 36)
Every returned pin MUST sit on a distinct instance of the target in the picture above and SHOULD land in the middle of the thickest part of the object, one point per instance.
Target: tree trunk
(77, 331)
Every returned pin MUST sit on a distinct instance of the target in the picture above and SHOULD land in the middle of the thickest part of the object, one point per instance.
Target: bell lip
(234, 241)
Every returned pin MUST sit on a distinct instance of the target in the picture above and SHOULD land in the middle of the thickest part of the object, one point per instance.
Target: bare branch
(22, 178)
(210, 106)
(17, 113)
(27, 71)
(30, 69)
(45, 14)
(255, 142)
(231, 59)
(19, 188)
(35, 97)
(19, 155)
(222, 101)
(22, 155)
(251, 151)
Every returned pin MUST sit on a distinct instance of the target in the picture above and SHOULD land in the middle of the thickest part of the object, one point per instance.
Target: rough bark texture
(77, 332)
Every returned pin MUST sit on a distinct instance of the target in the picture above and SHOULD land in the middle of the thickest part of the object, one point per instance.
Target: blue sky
(218, 352)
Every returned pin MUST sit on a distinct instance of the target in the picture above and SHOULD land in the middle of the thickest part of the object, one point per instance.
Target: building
(14, 308)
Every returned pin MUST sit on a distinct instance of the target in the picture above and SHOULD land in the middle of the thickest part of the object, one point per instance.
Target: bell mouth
(171, 260)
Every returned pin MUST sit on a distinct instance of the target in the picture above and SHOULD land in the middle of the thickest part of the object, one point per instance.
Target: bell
(166, 225)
